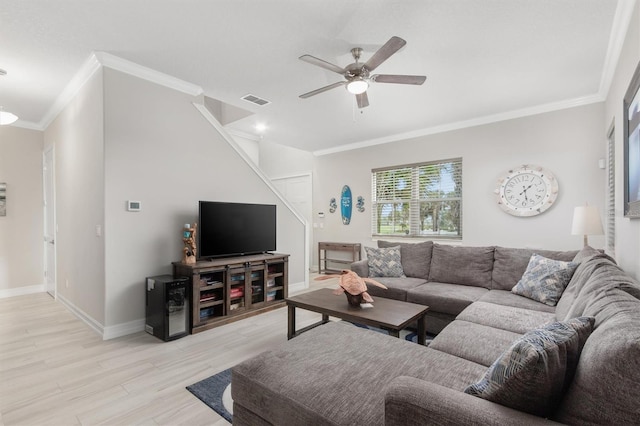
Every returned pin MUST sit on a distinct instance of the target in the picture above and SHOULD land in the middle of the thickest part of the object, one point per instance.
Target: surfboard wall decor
(346, 204)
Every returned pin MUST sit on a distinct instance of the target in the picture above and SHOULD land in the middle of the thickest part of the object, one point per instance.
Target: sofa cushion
(588, 252)
(415, 257)
(444, 297)
(469, 266)
(508, 318)
(606, 385)
(510, 263)
(507, 298)
(474, 342)
(533, 373)
(384, 262)
(545, 279)
(593, 276)
(396, 287)
(335, 374)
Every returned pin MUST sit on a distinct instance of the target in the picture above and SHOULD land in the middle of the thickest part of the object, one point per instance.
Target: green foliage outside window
(421, 200)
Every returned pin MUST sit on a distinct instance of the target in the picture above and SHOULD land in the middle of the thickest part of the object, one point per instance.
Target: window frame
(415, 201)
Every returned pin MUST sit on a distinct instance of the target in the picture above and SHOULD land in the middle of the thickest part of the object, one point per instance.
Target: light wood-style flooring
(55, 370)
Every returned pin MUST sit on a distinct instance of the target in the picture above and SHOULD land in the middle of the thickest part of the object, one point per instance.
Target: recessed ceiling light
(6, 117)
(2, 72)
(260, 127)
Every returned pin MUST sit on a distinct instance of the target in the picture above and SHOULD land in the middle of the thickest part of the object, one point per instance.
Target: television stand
(229, 289)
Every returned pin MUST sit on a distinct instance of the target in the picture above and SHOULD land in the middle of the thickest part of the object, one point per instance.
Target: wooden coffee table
(388, 314)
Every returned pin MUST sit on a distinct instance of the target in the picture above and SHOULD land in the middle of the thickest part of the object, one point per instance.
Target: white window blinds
(611, 196)
(418, 200)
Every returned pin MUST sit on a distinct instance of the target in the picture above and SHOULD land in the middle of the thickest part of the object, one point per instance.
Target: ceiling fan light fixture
(357, 86)
(7, 118)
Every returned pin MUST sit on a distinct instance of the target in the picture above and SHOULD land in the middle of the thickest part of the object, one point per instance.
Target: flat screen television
(234, 229)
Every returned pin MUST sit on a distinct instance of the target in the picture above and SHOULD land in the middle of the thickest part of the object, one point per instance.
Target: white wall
(249, 146)
(21, 230)
(279, 161)
(567, 142)
(627, 230)
(161, 151)
(285, 164)
(77, 134)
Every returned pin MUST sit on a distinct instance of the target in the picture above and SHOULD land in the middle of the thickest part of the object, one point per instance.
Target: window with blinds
(611, 195)
(418, 200)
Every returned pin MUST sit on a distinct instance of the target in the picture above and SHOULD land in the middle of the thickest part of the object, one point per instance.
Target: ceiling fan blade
(362, 99)
(321, 63)
(398, 79)
(389, 48)
(323, 89)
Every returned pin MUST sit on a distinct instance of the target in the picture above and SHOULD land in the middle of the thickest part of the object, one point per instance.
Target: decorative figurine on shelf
(353, 286)
(189, 238)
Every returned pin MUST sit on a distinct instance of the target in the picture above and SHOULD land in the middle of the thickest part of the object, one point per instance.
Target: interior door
(49, 222)
(298, 190)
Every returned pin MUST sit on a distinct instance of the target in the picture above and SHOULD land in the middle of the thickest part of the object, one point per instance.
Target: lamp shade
(586, 221)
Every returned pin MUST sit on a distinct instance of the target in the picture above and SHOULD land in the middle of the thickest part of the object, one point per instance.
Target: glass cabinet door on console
(229, 289)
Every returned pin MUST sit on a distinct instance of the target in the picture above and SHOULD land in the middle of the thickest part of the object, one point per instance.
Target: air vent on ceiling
(256, 100)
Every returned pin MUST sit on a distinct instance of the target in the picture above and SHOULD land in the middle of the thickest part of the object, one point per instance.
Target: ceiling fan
(358, 76)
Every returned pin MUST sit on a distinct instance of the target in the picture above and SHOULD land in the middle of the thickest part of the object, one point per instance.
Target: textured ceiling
(482, 58)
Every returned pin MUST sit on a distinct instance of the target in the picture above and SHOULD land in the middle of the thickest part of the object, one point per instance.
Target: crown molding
(86, 71)
(148, 74)
(510, 115)
(619, 28)
(95, 62)
(29, 125)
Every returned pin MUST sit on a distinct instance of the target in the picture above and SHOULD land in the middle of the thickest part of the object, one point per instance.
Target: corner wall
(21, 230)
(627, 230)
(77, 134)
(567, 142)
(161, 151)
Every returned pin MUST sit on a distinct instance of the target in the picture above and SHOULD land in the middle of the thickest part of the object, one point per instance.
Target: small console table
(324, 258)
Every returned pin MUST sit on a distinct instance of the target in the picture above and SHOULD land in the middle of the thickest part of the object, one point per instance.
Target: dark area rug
(210, 391)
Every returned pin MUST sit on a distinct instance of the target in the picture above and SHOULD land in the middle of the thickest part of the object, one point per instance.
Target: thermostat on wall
(134, 206)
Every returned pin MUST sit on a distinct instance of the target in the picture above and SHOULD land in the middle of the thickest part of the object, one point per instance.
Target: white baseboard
(119, 330)
(109, 332)
(293, 288)
(21, 291)
(86, 318)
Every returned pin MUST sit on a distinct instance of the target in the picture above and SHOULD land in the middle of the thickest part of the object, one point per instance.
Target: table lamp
(586, 221)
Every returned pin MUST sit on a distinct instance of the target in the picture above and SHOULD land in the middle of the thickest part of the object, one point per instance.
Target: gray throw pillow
(384, 262)
(415, 257)
(545, 279)
(533, 374)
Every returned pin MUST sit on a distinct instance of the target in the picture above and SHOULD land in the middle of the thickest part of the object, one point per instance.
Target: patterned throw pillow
(545, 279)
(384, 262)
(533, 374)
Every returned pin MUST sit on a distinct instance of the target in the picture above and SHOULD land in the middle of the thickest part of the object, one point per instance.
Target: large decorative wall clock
(527, 191)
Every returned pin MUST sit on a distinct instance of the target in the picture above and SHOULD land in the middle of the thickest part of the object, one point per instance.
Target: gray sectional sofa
(449, 278)
(338, 374)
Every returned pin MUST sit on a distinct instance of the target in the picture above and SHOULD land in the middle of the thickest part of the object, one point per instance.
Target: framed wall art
(631, 106)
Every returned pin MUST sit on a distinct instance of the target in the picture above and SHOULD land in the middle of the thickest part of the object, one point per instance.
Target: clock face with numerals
(527, 191)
